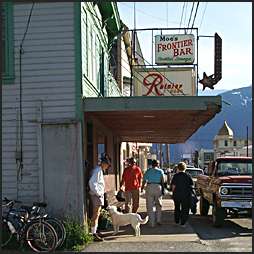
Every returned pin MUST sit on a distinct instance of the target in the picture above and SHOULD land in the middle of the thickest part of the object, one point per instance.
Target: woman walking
(153, 179)
(181, 188)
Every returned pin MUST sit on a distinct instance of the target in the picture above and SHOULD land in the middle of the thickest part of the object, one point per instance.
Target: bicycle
(39, 235)
(36, 214)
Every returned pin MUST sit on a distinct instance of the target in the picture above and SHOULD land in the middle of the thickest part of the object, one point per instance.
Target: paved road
(198, 236)
(234, 236)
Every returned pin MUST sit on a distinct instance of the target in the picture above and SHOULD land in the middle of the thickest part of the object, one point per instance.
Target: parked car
(194, 172)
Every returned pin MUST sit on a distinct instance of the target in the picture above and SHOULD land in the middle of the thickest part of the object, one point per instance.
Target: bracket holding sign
(210, 81)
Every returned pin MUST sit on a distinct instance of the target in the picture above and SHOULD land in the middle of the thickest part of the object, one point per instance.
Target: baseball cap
(105, 158)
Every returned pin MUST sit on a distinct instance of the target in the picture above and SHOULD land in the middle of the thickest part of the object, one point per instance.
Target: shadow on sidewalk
(168, 228)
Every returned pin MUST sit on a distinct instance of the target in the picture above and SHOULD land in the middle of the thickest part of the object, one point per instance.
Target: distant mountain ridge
(209, 92)
(236, 110)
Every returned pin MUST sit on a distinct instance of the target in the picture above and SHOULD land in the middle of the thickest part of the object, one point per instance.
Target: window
(225, 143)
(208, 156)
(234, 142)
(7, 42)
(84, 43)
(102, 72)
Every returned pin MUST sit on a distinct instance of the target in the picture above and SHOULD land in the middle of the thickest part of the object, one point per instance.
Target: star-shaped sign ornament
(208, 81)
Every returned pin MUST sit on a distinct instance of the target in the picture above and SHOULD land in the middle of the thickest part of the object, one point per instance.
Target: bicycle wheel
(59, 228)
(41, 236)
(6, 234)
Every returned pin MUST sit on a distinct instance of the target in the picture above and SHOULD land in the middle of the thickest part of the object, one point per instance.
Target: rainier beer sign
(164, 81)
(174, 49)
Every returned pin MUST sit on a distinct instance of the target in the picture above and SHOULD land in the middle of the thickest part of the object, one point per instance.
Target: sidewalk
(166, 232)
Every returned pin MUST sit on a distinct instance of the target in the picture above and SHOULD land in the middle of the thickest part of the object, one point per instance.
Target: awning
(168, 119)
(110, 16)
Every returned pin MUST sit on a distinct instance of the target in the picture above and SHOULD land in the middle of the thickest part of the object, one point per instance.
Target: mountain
(236, 110)
(210, 92)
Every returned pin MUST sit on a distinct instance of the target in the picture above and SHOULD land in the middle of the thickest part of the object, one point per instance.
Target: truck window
(234, 168)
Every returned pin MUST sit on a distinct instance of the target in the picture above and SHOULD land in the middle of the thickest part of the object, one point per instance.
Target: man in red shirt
(131, 179)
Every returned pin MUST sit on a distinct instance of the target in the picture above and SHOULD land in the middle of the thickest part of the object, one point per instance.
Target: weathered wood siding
(48, 76)
(94, 41)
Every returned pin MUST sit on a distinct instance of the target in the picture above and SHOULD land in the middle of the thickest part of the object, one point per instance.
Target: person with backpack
(182, 189)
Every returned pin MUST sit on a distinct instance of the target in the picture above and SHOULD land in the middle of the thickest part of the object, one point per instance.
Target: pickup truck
(227, 188)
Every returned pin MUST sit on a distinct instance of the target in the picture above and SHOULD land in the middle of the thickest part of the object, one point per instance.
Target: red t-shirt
(132, 177)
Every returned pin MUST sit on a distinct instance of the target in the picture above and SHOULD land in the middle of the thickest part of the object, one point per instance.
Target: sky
(231, 20)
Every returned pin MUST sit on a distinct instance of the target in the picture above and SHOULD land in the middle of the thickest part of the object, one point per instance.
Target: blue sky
(231, 20)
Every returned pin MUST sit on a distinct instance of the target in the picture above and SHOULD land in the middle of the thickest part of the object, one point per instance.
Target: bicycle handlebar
(10, 203)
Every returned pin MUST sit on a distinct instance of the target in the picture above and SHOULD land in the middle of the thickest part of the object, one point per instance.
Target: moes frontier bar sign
(174, 49)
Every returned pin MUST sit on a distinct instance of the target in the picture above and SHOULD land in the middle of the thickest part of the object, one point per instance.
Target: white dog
(121, 219)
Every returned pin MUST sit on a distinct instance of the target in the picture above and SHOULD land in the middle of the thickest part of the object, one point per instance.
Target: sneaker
(97, 238)
(183, 225)
(159, 223)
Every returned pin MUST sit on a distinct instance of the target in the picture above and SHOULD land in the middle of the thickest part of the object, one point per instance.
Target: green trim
(152, 103)
(78, 61)
(8, 78)
(111, 17)
(117, 16)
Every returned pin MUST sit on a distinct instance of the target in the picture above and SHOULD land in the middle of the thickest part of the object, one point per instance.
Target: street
(234, 236)
(198, 236)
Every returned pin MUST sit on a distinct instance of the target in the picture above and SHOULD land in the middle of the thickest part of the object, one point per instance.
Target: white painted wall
(48, 76)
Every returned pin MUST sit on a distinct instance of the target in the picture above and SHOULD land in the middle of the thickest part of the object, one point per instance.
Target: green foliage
(105, 220)
(105, 215)
(77, 235)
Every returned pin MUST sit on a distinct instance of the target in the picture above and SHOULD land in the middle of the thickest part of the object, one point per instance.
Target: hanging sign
(174, 49)
(164, 81)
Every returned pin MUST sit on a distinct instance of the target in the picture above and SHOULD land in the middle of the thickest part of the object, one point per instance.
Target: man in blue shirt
(153, 179)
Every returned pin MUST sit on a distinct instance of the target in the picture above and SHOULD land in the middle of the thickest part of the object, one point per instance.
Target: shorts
(96, 201)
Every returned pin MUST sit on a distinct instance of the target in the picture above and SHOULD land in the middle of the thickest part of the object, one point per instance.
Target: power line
(184, 21)
(182, 14)
(147, 14)
(195, 16)
(167, 12)
(190, 14)
(203, 15)
(21, 52)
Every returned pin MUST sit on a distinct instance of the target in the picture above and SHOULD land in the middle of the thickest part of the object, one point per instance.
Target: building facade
(226, 145)
(56, 55)
(62, 105)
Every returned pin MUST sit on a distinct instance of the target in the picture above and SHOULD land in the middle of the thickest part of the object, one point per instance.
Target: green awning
(152, 119)
(111, 18)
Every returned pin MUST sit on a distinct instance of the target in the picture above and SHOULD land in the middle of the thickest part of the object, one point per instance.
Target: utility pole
(247, 143)
(161, 155)
(167, 154)
(133, 45)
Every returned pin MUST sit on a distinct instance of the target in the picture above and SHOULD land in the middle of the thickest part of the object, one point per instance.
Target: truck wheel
(203, 206)
(218, 215)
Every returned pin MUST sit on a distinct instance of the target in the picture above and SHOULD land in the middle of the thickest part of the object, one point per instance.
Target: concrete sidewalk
(167, 232)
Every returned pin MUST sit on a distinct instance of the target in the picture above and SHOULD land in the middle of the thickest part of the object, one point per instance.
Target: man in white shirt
(97, 189)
